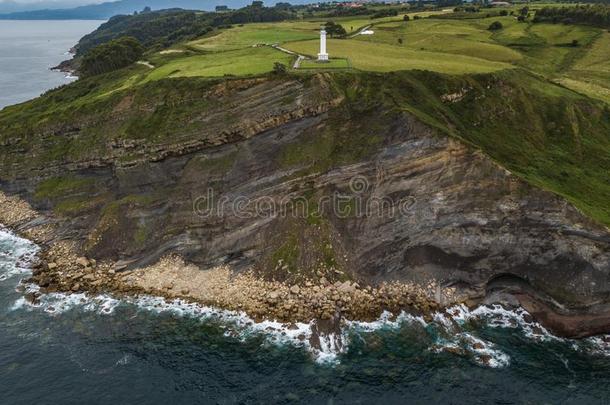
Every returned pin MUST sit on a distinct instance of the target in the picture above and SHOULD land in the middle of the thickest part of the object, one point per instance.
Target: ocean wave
(453, 330)
(16, 255)
(447, 329)
(236, 324)
(386, 320)
(480, 351)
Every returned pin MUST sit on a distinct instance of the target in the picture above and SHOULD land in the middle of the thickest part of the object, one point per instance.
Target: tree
(110, 56)
(494, 26)
(406, 17)
(597, 15)
(257, 4)
(334, 29)
(279, 68)
(448, 3)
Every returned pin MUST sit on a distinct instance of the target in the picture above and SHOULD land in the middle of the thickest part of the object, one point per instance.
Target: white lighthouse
(323, 56)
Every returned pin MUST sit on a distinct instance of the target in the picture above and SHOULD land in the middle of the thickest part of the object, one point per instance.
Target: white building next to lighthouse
(323, 56)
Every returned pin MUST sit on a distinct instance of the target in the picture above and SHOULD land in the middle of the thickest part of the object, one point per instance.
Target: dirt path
(300, 58)
(145, 63)
(366, 27)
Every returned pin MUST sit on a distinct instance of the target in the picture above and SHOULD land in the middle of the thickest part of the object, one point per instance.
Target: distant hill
(104, 11)
(11, 6)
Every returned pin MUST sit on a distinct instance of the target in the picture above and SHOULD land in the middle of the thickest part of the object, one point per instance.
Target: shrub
(406, 17)
(279, 68)
(385, 13)
(494, 26)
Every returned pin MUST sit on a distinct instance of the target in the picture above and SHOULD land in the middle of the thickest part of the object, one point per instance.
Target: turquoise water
(28, 49)
(98, 350)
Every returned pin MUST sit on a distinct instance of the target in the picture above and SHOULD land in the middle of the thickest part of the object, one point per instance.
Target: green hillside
(533, 96)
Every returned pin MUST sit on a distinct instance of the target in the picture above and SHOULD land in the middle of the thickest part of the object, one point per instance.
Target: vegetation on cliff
(110, 56)
(504, 92)
(160, 29)
(551, 136)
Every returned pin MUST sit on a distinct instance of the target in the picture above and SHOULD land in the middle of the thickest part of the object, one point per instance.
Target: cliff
(406, 178)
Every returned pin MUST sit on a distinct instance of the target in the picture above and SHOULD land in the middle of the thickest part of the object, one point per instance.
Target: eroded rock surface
(311, 190)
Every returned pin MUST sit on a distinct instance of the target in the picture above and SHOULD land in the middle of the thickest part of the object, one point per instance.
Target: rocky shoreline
(60, 268)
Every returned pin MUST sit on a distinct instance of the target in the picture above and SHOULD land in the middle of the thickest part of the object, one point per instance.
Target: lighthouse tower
(323, 56)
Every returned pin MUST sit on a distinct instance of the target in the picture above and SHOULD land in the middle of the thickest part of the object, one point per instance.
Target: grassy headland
(533, 96)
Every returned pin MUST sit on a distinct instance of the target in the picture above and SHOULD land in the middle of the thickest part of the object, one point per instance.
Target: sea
(99, 349)
(28, 49)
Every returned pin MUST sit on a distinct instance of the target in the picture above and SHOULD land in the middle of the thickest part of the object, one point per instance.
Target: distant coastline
(104, 11)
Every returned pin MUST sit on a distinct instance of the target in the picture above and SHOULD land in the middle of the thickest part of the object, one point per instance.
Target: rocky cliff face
(291, 180)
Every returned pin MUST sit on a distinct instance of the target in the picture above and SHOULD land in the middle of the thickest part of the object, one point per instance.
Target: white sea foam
(386, 320)
(16, 255)
(449, 326)
(482, 352)
(236, 324)
(452, 327)
(596, 345)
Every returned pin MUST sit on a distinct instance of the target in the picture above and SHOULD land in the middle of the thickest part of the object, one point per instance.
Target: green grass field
(383, 57)
(353, 24)
(462, 37)
(254, 34)
(240, 62)
(590, 74)
(451, 45)
(447, 45)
